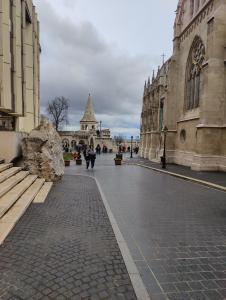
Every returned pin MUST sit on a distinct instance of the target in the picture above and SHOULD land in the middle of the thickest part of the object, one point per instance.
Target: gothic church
(188, 93)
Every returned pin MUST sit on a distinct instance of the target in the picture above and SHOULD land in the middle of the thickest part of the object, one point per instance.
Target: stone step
(3, 167)
(9, 220)
(8, 173)
(8, 184)
(14, 194)
(43, 193)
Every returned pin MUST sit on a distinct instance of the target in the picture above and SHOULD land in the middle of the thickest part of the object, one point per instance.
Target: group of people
(104, 149)
(90, 155)
(122, 148)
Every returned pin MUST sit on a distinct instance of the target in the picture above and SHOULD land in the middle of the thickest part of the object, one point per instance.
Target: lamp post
(163, 158)
(100, 127)
(131, 149)
(100, 137)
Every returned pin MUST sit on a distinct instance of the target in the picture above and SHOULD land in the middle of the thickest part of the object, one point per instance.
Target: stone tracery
(193, 74)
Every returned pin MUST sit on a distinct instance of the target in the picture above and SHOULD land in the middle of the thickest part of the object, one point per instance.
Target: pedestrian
(98, 148)
(92, 156)
(87, 158)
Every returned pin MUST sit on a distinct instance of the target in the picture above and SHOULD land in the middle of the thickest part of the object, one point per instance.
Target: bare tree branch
(58, 111)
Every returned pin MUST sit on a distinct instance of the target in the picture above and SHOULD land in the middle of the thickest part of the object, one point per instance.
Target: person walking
(98, 148)
(87, 158)
(92, 156)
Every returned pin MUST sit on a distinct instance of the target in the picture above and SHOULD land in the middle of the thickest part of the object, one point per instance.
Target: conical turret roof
(89, 115)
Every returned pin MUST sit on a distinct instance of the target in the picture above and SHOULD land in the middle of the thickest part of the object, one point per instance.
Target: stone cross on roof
(89, 115)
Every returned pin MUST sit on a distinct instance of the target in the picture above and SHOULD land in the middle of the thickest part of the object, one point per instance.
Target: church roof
(89, 115)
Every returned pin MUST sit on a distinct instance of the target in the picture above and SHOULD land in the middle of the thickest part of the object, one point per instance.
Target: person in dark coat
(90, 157)
(98, 148)
(87, 158)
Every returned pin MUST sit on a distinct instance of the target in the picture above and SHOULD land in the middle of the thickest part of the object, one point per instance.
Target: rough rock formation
(42, 152)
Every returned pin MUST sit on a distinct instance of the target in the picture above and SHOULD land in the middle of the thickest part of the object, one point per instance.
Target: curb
(198, 181)
(136, 280)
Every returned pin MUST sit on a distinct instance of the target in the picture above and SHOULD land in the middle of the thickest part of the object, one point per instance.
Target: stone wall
(196, 134)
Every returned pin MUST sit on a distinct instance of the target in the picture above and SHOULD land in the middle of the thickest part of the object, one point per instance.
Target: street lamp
(100, 137)
(163, 158)
(100, 127)
(131, 149)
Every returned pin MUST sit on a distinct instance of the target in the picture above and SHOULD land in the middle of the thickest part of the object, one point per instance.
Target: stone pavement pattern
(64, 249)
(218, 178)
(175, 229)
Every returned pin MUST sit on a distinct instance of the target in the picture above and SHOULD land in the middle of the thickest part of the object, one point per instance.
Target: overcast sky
(103, 47)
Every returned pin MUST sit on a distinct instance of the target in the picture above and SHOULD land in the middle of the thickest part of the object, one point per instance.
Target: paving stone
(197, 296)
(178, 296)
(221, 283)
(64, 249)
(213, 295)
(196, 286)
(168, 287)
(182, 286)
(209, 284)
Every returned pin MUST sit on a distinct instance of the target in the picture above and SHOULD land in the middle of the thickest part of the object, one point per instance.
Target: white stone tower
(89, 121)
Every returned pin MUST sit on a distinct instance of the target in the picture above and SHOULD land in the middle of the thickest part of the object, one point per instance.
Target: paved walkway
(175, 230)
(218, 178)
(65, 249)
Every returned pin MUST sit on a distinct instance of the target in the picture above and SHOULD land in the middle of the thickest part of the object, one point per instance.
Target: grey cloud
(76, 61)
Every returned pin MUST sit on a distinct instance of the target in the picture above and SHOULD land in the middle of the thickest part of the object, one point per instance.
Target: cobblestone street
(64, 249)
(175, 229)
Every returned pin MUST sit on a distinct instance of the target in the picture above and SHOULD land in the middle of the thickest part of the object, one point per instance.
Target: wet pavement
(65, 249)
(175, 229)
(218, 178)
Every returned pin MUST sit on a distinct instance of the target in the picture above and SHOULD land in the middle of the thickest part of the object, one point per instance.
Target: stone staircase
(17, 190)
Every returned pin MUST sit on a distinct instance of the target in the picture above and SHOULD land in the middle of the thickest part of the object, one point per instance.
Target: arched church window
(193, 74)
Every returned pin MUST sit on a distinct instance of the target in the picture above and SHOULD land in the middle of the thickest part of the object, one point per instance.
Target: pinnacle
(89, 115)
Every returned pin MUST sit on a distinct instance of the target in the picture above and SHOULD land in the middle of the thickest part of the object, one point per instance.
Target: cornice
(196, 20)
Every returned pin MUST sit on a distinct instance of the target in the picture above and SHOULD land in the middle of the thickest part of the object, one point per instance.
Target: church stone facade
(90, 133)
(188, 93)
(19, 74)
